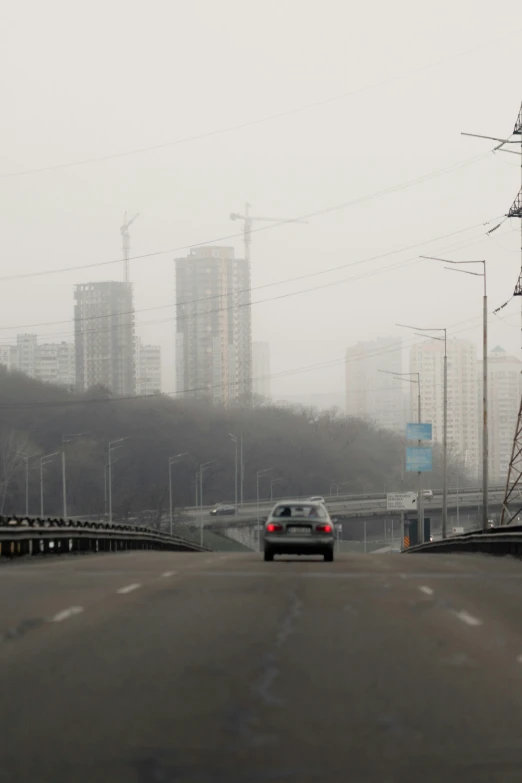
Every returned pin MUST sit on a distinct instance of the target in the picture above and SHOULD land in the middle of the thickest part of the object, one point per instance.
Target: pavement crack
(22, 629)
(270, 664)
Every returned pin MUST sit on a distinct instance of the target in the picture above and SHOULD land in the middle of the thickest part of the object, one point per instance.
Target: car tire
(329, 556)
(269, 555)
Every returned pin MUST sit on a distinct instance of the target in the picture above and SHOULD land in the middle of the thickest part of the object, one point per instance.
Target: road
(219, 668)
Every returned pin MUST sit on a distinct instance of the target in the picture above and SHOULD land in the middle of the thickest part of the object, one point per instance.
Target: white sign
(457, 531)
(401, 501)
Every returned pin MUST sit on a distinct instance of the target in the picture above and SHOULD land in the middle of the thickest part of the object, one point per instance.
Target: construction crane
(125, 236)
(249, 219)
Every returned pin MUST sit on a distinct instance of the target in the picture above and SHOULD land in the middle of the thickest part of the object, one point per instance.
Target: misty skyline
(79, 84)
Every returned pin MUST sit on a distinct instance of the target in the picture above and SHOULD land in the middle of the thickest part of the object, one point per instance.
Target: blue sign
(418, 432)
(419, 459)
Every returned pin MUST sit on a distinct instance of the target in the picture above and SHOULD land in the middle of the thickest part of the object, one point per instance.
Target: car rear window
(303, 510)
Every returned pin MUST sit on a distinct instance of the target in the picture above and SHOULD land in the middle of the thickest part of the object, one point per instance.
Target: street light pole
(202, 469)
(272, 482)
(258, 474)
(26, 458)
(113, 445)
(235, 442)
(485, 436)
(44, 461)
(444, 419)
(67, 439)
(420, 499)
(172, 461)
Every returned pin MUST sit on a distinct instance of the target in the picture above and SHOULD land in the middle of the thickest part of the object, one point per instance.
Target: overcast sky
(85, 80)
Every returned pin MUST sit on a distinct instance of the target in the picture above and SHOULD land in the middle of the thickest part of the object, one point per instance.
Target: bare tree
(15, 447)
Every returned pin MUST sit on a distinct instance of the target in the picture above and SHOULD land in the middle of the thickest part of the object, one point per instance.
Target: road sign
(457, 531)
(419, 459)
(419, 432)
(401, 501)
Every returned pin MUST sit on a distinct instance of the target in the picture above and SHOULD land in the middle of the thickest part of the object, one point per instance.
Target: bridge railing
(34, 536)
(494, 541)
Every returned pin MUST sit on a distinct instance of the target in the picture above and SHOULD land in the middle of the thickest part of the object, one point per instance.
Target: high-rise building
(371, 394)
(49, 362)
(213, 326)
(427, 358)
(26, 350)
(8, 356)
(147, 364)
(55, 363)
(261, 370)
(104, 337)
(504, 393)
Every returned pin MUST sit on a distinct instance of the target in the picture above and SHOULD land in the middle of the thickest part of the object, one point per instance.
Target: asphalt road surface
(220, 668)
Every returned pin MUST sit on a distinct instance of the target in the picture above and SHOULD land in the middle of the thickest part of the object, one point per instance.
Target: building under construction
(104, 337)
(213, 326)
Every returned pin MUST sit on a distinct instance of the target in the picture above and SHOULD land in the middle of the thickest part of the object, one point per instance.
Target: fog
(88, 81)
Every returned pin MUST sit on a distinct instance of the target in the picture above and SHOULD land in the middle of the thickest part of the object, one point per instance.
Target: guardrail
(30, 536)
(494, 541)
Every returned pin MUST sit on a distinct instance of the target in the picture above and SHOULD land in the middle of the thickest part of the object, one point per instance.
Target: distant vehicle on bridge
(427, 494)
(223, 510)
(317, 499)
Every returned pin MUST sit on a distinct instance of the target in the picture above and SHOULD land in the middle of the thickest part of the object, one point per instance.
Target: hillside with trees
(306, 449)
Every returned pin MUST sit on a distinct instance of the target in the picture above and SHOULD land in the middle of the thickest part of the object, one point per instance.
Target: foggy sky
(80, 81)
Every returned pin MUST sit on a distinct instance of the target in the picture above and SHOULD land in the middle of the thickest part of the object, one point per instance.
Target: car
(294, 527)
(317, 499)
(427, 494)
(222, 510)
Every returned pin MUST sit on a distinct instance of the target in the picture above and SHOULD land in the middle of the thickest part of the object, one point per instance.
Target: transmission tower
(125, 236)
(513, 493)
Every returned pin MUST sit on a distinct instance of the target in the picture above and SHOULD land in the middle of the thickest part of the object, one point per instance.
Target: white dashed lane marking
(66, 613)
(169, 573)
(128, 589)
(426, 590)
(467, 618)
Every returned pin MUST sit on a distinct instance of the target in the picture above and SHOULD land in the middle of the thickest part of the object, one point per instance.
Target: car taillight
(324, 528)
(273, 528)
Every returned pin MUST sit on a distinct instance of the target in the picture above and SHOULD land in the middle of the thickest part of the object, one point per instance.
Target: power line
(285, 373)
(258, 287)
(259, 120)
(308, 215)
(178, 318)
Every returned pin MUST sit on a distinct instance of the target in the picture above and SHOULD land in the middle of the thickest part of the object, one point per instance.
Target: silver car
(297, 528)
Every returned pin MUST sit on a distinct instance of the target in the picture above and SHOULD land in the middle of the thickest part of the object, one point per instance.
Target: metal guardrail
(494, 541)
(33, 536)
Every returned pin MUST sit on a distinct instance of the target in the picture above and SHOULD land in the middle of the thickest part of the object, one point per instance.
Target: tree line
(307, 450)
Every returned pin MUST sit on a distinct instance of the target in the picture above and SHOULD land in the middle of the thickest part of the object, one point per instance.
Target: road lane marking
(66, 613)
(426, 590)
(467, 618)
(519, 658)
(169, 573)
(128, 589)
